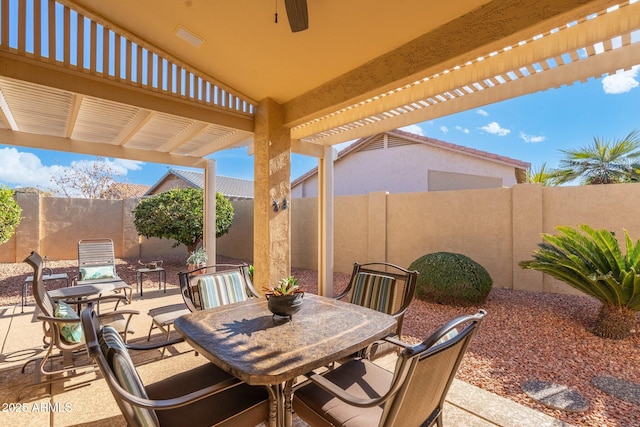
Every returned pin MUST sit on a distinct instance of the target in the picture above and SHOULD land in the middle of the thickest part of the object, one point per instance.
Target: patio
(86, 400)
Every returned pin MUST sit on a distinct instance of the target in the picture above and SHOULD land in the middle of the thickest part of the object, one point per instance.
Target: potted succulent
(284, 299)
(197, 259)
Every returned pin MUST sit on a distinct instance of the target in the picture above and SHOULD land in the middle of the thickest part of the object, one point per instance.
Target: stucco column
(209, 233)
(272, 183)
(325, 222)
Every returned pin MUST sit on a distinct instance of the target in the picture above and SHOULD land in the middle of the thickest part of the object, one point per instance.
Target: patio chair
(360, 393)
(227, 283)
(61, 327)
(384, 287)
(202, 396)
(97, 267)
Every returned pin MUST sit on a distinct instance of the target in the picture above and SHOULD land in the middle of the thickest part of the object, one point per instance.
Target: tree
(178, 214)
(90, 180)
(604, 162)
(591, 261)
(542, 176)
(10, 213)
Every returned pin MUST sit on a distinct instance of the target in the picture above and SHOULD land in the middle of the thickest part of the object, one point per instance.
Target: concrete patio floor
(86, 401)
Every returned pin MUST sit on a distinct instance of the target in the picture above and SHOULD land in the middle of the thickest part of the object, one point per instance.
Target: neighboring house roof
(122, 190)
(231, 188)
(362, 142)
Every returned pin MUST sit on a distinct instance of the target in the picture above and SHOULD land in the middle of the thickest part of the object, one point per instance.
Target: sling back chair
(362, 394)
(62, 330)
(203, 288)
(383, 287)
(202, 396)
(97, 266)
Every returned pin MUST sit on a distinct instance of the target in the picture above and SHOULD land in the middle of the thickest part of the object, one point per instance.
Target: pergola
(174, 81)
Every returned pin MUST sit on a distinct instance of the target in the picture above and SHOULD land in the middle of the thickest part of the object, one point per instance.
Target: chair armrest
(119, 312)
(393, 340)
(177, 401)
(44, 318)
(153, 346)
(345, 396)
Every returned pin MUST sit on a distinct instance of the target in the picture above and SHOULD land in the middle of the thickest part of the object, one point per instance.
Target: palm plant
(591, 261)
(544, 176)
(604, 162)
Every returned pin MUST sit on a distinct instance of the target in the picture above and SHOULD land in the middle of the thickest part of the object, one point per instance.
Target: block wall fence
(496, 227)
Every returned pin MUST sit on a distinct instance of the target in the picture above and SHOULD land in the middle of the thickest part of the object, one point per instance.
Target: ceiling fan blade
(297, 14)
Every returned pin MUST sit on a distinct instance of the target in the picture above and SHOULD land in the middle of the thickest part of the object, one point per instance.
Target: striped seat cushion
(375, 291)
(221, 288)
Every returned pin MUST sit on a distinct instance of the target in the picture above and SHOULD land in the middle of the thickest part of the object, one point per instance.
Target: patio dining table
(247, 341)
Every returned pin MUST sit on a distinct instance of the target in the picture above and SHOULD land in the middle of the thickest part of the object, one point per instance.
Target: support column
(272, 185)
(209, 232)
(325, 222)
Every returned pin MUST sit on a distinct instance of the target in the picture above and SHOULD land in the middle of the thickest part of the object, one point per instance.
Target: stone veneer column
(527, 224)
(272, 181)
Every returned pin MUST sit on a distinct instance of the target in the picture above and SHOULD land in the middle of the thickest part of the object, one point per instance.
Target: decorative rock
(555, 396)
(621, 389)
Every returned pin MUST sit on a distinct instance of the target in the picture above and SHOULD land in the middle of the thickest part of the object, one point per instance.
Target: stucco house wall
(400, 162)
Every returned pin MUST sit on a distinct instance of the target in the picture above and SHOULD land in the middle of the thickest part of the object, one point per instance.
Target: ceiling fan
(297, 14)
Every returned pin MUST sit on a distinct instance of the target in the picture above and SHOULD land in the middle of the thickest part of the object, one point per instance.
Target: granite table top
(260, 349)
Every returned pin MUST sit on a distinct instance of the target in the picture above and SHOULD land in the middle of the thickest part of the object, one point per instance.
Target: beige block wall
(496, 227)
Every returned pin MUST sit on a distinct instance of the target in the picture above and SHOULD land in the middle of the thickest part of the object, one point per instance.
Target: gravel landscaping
(525, 336)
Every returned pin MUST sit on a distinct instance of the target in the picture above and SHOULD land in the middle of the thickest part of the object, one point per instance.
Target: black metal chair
(360, 393)
(202, 396)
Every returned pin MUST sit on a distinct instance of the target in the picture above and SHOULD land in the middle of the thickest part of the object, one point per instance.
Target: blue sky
(532, 128)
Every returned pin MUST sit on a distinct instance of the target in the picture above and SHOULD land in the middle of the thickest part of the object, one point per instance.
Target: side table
(162, 277)
(45, 277)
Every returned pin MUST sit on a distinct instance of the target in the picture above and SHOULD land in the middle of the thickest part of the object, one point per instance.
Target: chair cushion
(246, 404)
(99, 272)
(446, 337)
(71, 332)
(358, 377)
(128, 378)
(375, 291)
(110, 340)
(221, 289)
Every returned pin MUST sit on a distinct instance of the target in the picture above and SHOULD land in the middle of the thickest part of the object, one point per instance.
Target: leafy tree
(604, 162)
(544, 176)
(178, 214)
(90, 180)
(591, 261)
(10, 213)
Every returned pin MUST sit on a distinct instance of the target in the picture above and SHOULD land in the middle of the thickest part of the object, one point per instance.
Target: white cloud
(22, 169)
(444, 129)
(532, 138)
(495, 129)
(415, 129)
(620, 82)
(483, 113)
(461, 129)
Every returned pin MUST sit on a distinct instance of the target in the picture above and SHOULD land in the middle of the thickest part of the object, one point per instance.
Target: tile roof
(123, 190)
(231, 188)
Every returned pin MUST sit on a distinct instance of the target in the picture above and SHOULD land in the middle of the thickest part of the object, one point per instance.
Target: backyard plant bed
(525, 336)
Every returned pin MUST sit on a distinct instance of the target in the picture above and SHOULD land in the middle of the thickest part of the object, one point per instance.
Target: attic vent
(396, 141)
(376, 144)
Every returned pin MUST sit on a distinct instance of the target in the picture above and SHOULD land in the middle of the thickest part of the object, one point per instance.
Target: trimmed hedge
(452, 279)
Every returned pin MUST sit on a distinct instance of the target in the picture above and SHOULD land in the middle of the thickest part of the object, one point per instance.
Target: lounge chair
(360, 393)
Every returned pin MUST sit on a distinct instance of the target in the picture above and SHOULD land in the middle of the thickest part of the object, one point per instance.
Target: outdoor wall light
(277, 205)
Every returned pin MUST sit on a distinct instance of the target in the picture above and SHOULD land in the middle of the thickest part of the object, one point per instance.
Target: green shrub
(10, 214)
(452, 279)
